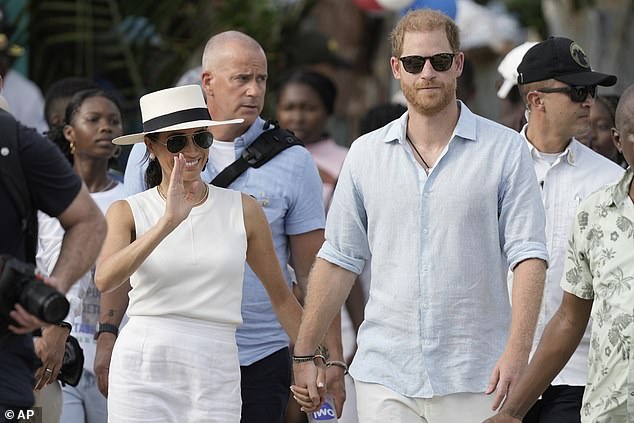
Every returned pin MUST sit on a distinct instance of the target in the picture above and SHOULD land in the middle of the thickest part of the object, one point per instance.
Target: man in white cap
(558, 87)
(512, 108)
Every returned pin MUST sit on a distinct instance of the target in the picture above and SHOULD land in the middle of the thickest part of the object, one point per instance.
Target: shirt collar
(465, 128)
(621, 190)
(251, 134)
(569, 154)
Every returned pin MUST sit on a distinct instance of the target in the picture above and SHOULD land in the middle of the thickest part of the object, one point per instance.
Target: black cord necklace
(425, 165)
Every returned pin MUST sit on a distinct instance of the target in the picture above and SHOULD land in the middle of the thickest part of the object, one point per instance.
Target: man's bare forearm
(528, 290)
(328, 288)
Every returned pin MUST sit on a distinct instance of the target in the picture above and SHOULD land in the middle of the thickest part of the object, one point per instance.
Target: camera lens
(43, 301)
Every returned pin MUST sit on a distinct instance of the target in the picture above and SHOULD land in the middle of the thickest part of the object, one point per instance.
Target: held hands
(179, 201)
(309, 389)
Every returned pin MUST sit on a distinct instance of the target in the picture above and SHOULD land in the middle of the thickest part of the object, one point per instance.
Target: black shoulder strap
(268, 145)
(12, 177)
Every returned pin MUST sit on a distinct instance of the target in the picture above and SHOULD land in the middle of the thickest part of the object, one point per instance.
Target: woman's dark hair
(153, 173)
(78, 99)
(317, 81)
(56, 133)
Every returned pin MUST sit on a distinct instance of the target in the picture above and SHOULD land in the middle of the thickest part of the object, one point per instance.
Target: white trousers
(377, 404)
(167, 369)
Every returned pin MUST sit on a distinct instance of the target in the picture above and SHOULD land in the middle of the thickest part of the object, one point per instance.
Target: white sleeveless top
(197, 270)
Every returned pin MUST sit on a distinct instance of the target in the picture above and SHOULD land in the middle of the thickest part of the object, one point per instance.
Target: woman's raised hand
(179, 200)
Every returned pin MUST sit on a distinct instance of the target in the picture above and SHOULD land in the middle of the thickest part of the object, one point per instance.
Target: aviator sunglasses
(577, 93)
(441, 62)
(176, 143)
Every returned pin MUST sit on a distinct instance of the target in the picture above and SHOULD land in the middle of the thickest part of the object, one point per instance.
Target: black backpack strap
(268, 145)
(12, 177)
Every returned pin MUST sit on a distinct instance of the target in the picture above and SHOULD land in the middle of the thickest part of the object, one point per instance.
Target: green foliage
(143, 45)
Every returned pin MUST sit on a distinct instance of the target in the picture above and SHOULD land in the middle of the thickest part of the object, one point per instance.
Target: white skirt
(174, 369)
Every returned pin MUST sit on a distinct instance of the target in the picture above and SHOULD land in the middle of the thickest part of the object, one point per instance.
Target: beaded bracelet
(340, 364)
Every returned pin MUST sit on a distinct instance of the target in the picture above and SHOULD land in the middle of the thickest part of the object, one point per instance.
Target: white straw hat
(508, 67)
(173, 109)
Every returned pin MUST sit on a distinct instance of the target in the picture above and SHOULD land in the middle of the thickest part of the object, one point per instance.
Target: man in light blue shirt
(288, 188)
(445, 202)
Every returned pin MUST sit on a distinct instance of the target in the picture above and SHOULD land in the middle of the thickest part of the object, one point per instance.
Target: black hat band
(174, 118)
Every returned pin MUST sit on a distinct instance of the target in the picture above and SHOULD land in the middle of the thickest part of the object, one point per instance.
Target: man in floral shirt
(598, 278)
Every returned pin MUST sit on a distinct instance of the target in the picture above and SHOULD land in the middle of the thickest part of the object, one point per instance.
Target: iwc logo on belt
(579, 56)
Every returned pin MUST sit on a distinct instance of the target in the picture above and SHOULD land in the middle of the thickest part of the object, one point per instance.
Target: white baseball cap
(508, 67)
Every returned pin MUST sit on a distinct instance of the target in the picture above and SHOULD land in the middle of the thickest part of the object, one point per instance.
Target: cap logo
(579, 56)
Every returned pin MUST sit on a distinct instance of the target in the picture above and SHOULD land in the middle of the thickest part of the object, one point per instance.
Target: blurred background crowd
(131, 48)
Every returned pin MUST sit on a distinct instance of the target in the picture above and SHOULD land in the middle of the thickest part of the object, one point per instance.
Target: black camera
(20, 284)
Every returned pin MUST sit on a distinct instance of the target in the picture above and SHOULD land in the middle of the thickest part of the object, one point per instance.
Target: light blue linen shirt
(438, 314)
(289, 190)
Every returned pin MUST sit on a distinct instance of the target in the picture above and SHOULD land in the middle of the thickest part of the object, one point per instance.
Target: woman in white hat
(183, 245)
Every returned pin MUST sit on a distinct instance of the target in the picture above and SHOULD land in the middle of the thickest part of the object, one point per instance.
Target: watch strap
(106, 327)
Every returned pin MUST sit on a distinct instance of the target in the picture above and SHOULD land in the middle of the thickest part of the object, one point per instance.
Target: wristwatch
(106, 327)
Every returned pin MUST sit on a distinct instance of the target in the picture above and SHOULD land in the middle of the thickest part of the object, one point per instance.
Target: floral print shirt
(600, 267)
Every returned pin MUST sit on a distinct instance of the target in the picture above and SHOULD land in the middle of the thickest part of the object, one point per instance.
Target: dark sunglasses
(176, 143)
(577, 93)
(441, 62)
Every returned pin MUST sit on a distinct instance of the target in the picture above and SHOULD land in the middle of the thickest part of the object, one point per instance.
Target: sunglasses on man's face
(441, 62)
(577, 93)
(176, 143)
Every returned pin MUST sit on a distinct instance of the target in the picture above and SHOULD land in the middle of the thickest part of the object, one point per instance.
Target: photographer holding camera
(31, 163)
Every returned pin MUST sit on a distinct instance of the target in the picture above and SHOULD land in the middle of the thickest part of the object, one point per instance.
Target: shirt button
(426, 195)
(632, 393)
(425, 231)
(428, 342)
(425, 268)
(426, 306)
